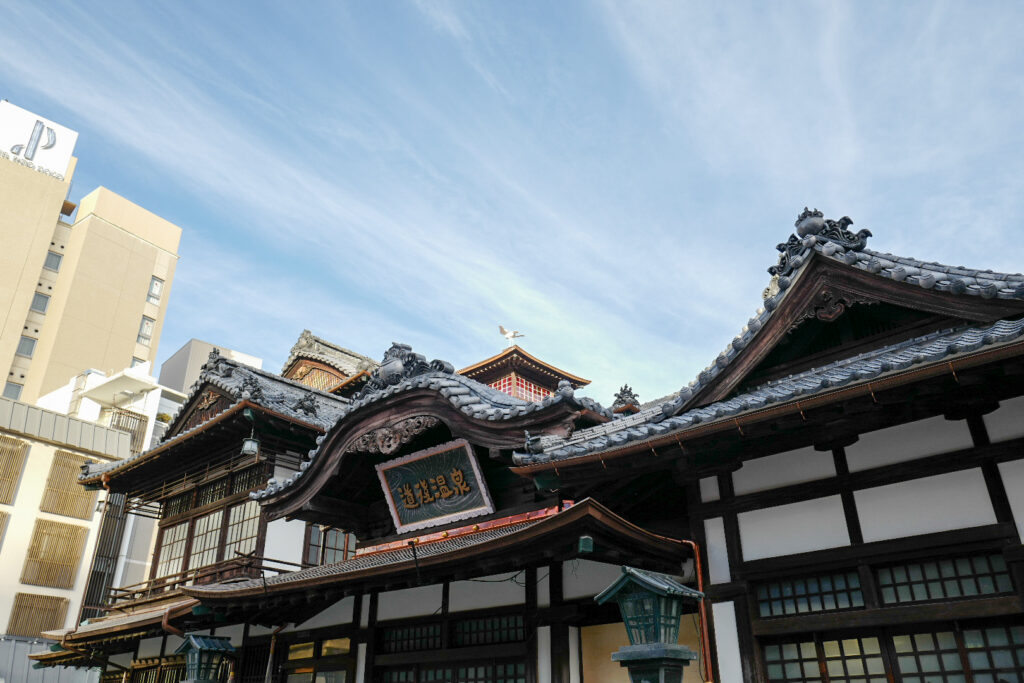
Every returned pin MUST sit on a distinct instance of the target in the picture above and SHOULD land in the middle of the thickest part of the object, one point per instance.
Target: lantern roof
(655, 582)
(206, 643)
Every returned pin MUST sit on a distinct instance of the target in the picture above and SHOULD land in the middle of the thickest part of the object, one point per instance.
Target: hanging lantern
(203, 657)
(651, 605)
(250, 444)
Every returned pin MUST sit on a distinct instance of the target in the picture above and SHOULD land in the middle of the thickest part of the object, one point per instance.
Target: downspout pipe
(705, 640)
(268, 677)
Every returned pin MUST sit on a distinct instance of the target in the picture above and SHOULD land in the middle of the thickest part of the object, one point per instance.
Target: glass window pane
(53, 260)
(26, 347)
(40, 302)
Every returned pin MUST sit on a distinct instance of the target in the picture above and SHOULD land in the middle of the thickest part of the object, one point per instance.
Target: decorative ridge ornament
(625, 397)
(812, 227)
(401, 362)
(306, 404)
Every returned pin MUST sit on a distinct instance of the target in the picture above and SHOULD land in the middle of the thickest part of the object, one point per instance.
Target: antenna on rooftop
(510, 335)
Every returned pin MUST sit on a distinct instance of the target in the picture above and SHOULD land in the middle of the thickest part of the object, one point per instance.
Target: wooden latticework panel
(33, 614)
(12, 460)
(131, 423)
(63, 494)
(54, 554)
(3, 526)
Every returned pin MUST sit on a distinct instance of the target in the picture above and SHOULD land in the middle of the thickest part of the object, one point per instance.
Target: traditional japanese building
(845, 484)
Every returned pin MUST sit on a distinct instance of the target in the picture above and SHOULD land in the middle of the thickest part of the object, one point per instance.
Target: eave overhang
(555, 417)
(153, 457)
(514, 357)
(517, 546)
(738, 422)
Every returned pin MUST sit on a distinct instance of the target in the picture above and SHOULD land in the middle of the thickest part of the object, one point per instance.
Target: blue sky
(609, 178)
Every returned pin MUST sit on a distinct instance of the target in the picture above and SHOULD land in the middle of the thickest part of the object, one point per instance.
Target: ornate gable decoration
(626, 397)
(390, 438)
(401, 362)
(795, 250)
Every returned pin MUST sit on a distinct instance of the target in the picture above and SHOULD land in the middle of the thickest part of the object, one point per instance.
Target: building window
(156, 290)
(835, 591)
(52, 261)
(136, 362)
(412, 638)
(955, 577)
(243, 529)
(987, 653)
(171, 554)
(12, 460)
(26, 347)
(40, 302)
(33, 614)
(63, 495)
(206, 540)
(489, 630)
(12, 390)
(327, 545)
(146, 330)
(54, 554)
(131, 423)
(512, 671)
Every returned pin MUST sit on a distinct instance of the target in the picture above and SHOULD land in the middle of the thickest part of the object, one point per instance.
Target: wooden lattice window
(12, 460)
(131, 423)
(54, 554)
(63, 494)
(3, 526)
(33, 614)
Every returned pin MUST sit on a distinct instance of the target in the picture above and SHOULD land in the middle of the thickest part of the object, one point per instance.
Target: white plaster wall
(727, 642)
(585, 578)
(284, 540)
(339, 612)
(574, 654)
(1013, 481)
(1007, 421)
(234, 633)
(543, 654)
(907, 442)
(544, 584)
(364, 612)
(782, 469)
(957, 500)
(716, 551)
(794, 528)
(361, 663)
(150, 647)
(709, 489)
(409, 602)
(487, 591)
(136, 552)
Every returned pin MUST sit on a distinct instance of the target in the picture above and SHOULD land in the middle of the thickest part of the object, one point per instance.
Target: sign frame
(485, 509)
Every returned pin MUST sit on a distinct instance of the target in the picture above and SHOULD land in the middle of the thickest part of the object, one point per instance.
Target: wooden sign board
(434, 487)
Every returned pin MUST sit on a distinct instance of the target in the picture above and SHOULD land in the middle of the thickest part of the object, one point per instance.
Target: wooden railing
(245, 566)
(133, 424)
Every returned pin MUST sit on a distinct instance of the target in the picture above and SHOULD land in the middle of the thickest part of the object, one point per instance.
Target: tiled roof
(313, 347)
(412, 372)
(816, 237)
(362, 563)
(244, 383)
(653, 421)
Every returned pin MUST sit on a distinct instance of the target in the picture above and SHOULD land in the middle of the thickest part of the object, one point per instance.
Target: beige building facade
(79, 289)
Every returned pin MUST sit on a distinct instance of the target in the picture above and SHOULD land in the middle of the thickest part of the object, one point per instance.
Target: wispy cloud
(612, 184)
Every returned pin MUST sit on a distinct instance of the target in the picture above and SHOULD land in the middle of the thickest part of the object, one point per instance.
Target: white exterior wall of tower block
(98, 279)
(182, 369)
(45, 433)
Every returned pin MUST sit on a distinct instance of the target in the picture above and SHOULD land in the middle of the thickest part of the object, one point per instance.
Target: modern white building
(48, 527)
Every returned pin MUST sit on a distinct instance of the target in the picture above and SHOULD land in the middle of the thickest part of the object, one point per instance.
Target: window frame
(152, 296)
(7, 385)
(22, 342)
(39, 296)
(146, 338)
(47, 260)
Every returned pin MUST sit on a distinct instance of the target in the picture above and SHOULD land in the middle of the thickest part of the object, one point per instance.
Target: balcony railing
(133, 424)
(163, 586)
